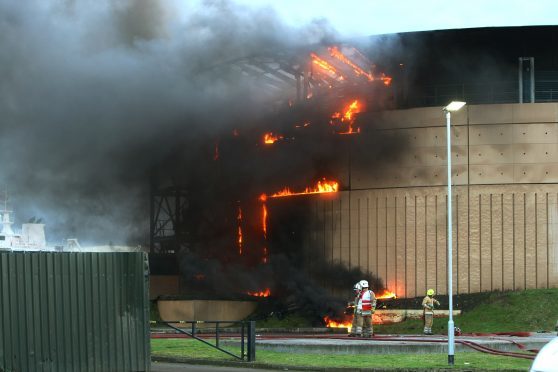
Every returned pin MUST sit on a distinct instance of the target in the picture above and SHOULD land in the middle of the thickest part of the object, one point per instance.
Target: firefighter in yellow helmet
(428, 308)
(356, 331)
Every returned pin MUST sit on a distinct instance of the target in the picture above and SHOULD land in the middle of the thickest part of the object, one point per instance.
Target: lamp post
(453, 106)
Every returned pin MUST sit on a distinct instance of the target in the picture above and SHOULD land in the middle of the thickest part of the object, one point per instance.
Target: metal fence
(74, 311)
(247, 335)
(497, 92)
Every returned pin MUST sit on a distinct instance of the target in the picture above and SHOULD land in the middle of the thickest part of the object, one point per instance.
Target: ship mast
(6, 222)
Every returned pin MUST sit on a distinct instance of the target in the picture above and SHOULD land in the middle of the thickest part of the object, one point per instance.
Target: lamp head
(454, 106)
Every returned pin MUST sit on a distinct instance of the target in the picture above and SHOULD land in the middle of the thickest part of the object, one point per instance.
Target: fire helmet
(357, 287)
(430, 292)
(363, 283)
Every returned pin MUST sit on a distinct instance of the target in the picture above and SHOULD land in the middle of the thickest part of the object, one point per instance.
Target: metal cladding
(74, 312)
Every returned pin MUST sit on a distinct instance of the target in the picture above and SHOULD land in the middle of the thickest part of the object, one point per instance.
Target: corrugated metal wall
(74, 311)
(393, 220)
(504, 237)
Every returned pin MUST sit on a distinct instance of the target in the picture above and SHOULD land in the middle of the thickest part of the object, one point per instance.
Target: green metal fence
(74, 311)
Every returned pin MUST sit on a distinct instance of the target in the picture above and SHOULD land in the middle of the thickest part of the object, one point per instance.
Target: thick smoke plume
(94, 94)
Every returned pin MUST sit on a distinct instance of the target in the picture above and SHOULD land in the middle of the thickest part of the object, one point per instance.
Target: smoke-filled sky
(94, 93)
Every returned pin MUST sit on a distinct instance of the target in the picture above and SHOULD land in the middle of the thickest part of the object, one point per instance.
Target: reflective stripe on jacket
(367, 302)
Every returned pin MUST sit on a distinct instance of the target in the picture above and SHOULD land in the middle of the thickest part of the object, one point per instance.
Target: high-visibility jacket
(367, 302)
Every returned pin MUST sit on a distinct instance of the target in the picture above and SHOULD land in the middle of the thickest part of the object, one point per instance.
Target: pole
(451, 342)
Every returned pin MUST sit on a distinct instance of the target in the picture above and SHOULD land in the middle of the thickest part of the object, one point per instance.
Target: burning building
(346, 175)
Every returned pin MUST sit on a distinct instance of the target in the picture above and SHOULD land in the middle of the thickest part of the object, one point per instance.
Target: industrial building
(388, 215)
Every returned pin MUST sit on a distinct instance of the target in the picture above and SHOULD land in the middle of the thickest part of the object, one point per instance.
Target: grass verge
(185, 348)
(532, 310)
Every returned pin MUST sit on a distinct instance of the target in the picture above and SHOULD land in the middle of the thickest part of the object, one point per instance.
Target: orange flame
(239, 234)
(322, 186)
(327, 67)
(386, 80)
(264, 293)
(264, 220)
(269, 138)
(263, 199)
(386, 295)
(345, 323)
(348, 117)
(336, 53)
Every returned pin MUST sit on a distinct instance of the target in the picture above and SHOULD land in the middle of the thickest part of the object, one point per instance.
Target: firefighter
(428, 308)
(367, 305)
(356, 331)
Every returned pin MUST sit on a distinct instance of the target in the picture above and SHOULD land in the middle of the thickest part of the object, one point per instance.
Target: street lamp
(453, 106)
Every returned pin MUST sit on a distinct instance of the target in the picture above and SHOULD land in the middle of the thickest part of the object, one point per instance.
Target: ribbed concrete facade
(392, 221)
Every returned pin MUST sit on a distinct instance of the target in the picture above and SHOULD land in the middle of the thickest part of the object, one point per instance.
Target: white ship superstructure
(32, 236)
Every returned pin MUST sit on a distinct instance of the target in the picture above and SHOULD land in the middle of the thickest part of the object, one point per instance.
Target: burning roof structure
(239, 221)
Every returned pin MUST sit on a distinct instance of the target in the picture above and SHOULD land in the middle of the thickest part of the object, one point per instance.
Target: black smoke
(94, 95)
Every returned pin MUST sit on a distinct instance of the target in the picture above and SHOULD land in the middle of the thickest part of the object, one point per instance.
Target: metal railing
(546, 90)
(247, 335)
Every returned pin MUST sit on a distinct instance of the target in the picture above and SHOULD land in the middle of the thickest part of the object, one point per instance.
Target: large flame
(265, 293)
(322, 186)
(386, 295)
(345, 323)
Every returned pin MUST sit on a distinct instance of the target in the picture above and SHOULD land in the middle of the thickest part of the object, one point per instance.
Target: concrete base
(398, 315)
(205, 310)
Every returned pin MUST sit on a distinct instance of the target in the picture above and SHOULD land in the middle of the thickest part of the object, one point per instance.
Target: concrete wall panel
(490, 114)
(491, 154)
(490, 135)
(535, 113)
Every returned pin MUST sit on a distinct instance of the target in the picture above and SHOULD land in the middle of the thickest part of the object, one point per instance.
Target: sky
(371, 17)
